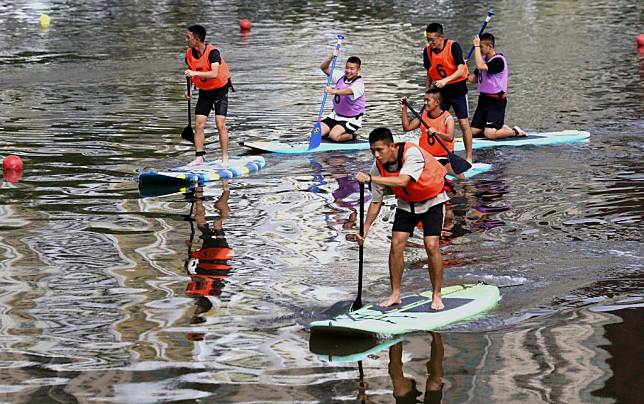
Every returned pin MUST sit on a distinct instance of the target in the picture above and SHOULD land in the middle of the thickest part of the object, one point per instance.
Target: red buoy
(12, 175)
(244, 24)
(640, 40)
(12, 162)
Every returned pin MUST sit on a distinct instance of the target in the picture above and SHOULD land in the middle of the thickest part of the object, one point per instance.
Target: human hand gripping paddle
(316, 132)
(490, 14)
(357, 304)
(459, 164)
(188, 134)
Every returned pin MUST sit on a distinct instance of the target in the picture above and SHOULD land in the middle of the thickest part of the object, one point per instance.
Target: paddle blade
(316, 136)
(459, 164)
(188, 134)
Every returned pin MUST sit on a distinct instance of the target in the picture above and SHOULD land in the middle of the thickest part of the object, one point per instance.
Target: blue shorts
(458, 102)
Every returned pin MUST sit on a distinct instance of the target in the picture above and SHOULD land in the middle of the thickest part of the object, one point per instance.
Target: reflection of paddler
(209, 266)
(404, 388)
(347, 186)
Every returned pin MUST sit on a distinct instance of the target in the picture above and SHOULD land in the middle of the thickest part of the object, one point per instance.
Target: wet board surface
(477, 168)
(533, 139)
(414, 313)
(211, 171)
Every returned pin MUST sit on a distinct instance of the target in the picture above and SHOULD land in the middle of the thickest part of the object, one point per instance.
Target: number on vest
(441, 71)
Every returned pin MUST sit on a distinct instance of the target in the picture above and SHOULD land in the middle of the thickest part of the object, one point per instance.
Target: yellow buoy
(44, 21)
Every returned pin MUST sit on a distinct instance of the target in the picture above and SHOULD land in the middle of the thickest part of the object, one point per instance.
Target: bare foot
(196, 162)
(437, 302)
(519, 132)
(393, 300)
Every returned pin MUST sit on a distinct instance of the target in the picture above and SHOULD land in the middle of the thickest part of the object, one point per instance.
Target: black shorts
(212, 98)
(490, 112)
(432, 220)
(458, 102)
(348, 127)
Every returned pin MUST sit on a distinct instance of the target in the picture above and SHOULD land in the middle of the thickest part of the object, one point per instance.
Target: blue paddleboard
(534, 139)
(210, 171)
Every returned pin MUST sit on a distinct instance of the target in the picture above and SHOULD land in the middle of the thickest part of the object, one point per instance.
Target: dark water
(96, 300)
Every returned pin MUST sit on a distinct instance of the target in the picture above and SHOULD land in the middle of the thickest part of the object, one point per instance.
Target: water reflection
(405, 388)
(93, 295)
(402, 387)
(208, 266)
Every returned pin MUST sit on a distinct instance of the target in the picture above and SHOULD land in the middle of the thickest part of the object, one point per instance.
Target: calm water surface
(96, 297)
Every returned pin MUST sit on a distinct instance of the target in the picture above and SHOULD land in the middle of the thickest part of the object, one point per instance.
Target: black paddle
(188, 134)
(459, 164)
(357, 304)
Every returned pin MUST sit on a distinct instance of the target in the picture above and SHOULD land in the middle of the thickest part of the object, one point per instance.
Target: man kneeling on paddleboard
(417, 180)
(491, 78)
(348, 101)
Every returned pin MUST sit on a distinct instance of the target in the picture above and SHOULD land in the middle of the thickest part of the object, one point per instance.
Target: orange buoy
(244, 24)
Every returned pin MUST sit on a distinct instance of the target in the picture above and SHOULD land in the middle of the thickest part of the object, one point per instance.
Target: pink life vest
(345, 105)
(494, 83)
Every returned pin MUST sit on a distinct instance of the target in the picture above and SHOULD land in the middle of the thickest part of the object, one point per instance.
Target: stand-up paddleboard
(414, 313)
(303, 147)
(535, 139)
(330, 348)
(210, 171)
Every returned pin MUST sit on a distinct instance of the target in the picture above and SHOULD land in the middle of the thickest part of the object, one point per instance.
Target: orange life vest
(429, 184)
(213, 253)
(428, 142)
(201, 285)
(202, 64)
(443, 63)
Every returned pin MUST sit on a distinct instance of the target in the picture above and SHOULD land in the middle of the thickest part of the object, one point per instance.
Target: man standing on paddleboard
(491, 78)
(348, 100)
(209, 73)
(418, 181)
(446, 69)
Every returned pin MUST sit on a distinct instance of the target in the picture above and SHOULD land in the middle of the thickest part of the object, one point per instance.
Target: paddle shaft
(189, 98)
(490, 13)
(329, 80)
(357, 304)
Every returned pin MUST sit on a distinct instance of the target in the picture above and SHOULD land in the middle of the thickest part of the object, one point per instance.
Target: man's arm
(344, 91)
(427, 64)
(449, 134)
(478, 57)
(407, 124)
(326, 64)
(372, 214)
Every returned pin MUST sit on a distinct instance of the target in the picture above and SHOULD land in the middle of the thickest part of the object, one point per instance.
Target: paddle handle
(189, 98)
(422, 121)
(490, 14)
(329, 80)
